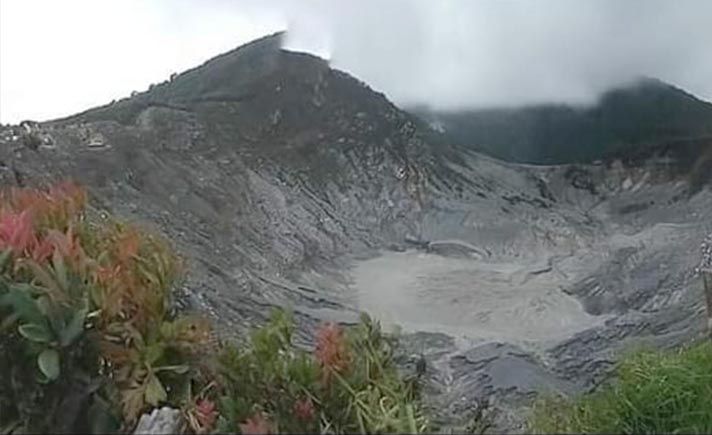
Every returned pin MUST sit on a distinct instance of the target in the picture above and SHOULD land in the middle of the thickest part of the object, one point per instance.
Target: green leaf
(5, 257)
(31, 290)
(412, 423)
(74, 328)
(151, 277)
(48, 362)
(60, 270)
(155, 393)
(96, 295)
(154, 352)
(22, 304)
(35, 332)
(42, 275)
(44, 304)
(8, 321)
(51, 312)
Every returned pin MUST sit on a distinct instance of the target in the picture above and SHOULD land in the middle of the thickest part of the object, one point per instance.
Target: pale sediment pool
(469, 298)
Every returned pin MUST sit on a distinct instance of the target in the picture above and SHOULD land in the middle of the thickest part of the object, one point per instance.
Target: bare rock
(160, 421)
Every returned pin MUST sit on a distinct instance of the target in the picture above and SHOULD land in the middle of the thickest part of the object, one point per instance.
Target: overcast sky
(61, 57)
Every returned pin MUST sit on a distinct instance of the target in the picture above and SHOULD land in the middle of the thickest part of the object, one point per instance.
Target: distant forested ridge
(648, 113)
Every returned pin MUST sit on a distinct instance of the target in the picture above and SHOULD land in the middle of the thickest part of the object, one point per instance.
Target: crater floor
(470, 298)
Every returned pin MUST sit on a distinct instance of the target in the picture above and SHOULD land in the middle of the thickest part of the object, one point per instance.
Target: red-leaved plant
(348, 384)
(332, 351)
(76, 294)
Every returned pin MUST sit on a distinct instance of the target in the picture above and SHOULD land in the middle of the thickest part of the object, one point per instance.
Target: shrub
(32, 140)
(655, 392)
(89, 341)
(349, 384)
(85, 317)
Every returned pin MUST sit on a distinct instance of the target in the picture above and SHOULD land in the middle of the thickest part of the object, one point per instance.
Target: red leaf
(304, 409)
(16, 231)
(256, 425)
(40, 250)
(331, 350)
(206, 413)
(68, 245)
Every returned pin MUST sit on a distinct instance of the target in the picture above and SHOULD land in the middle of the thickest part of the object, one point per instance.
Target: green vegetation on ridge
(629, 119)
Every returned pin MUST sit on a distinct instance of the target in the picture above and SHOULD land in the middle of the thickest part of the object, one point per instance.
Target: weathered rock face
(160, 421)
(284, 182)
(261, 165)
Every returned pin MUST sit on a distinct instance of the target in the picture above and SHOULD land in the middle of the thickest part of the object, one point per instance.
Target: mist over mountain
(457, 54)
(643, 115)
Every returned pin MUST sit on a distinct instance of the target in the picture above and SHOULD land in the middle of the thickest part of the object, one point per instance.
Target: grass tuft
(654, 392)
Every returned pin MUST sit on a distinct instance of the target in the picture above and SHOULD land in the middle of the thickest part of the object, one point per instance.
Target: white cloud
(465, 53)
(61, 57)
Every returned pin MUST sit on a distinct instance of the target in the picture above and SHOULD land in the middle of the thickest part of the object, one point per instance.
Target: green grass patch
(653, 392)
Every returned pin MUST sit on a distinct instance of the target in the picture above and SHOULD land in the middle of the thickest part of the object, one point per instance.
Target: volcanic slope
(285, 182)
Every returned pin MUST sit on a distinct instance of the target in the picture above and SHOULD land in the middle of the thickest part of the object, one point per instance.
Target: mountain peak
(230, 76)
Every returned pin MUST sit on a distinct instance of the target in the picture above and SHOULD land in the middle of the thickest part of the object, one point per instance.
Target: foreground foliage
(655, 392)
(89, 341)
(349, 384)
